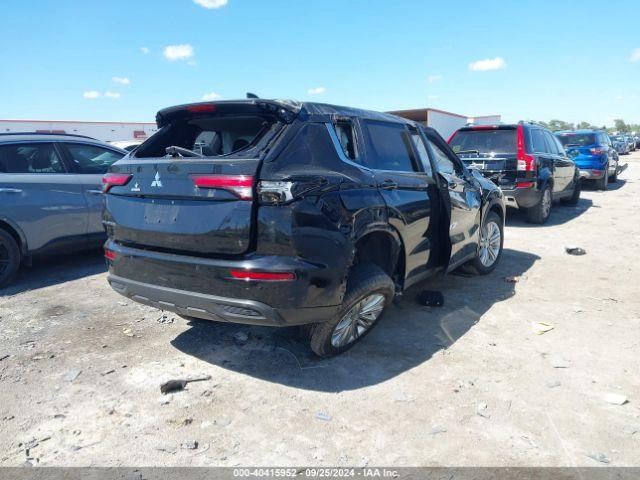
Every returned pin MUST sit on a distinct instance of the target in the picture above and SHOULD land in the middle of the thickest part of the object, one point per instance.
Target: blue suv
(593, 153)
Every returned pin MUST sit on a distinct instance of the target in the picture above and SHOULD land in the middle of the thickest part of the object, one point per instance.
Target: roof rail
(4, 134)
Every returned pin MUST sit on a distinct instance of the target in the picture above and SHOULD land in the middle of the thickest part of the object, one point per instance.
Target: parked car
(525, 160)
(50, 195)
(620, 144)
(292, 213)
(593, 153)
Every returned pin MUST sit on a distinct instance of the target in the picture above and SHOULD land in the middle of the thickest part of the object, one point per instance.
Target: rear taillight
(262, 276)
(596, 151)
(526, 162)
(240, 185)
(525, 184)
(114, 180)
(109, 254)
(201, 108)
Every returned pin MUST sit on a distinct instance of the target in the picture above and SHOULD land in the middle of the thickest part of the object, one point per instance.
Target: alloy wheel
(546, 203)
(358, 320)
(490, 241)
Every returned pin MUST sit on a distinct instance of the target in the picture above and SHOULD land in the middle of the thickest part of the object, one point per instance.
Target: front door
(90, 163)
(464, 199)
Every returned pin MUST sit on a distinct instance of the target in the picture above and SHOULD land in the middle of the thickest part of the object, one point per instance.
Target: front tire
(603, 183)
(489, 246)
(9, 258)
(369, 293)
(540, 213)
(575, 196)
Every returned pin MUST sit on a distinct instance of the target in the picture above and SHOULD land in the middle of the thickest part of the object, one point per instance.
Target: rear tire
(9, 258)
(485, 261)
(366, 285)
(540, 213)
(614, 178)
(603, 183)
(575, 196)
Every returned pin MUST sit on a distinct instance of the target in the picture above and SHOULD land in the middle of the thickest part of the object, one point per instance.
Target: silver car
(50, 195)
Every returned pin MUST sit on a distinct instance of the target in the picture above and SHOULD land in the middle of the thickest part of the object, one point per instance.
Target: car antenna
(252, 95)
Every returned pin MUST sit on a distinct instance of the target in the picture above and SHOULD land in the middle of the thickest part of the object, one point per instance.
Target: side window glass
(346, 137)
(30, 158)
(388, 147)
(559, 145)
(445, 164)
(421, 148)
(552, 147)
(537, 141)
(91, 158)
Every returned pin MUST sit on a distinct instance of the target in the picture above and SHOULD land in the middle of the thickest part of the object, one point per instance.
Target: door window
(421, 148)
(346, 137)
(388, 147)
(537, 141)
(443, 161)
(559, 145)
(551, 144)
(91, 158)
(30, 158)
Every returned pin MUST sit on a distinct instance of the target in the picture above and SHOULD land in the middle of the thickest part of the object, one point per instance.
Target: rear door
(562, 166)
(189, 189)
(545, 159)
(40, 196)
(392, 153)
(464, 201)
(90, 162)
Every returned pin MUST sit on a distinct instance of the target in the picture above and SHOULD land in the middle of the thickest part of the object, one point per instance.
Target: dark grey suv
(50, 195)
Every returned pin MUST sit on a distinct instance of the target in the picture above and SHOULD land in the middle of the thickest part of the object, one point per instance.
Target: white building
(105, 131)
(445, 123)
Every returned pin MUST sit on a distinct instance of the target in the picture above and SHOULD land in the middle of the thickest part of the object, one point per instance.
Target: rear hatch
(579, 145)
(189, 188)
(492, 149)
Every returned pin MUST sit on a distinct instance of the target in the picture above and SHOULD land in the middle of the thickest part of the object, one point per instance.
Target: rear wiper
(179, 152)
(572, 145)
(477, 152)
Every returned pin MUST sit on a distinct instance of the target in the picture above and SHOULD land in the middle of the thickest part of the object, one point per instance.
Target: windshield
(207, 135)
(497, 141)
(577, 139)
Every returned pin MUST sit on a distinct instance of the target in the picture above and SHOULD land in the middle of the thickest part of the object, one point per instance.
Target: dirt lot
(468, 384)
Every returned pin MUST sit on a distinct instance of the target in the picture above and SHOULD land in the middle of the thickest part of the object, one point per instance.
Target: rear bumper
(211, 307)
(204, 288)
(521, 197)
(589, 174)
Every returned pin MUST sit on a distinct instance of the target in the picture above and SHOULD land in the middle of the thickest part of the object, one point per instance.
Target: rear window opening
(498, 141)
(208, 135)
(577, 139)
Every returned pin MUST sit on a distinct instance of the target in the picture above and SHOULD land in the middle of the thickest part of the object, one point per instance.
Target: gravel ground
(469, 384)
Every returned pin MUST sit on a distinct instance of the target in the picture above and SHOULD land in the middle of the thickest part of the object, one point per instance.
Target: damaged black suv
(282, 213)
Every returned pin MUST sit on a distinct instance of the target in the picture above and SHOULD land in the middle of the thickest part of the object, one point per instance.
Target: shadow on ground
(407, 336)
(51, 270)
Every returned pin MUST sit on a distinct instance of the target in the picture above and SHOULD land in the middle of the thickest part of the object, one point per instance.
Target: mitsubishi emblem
(156, 181)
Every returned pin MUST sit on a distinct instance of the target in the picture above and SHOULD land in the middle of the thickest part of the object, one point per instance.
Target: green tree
(586, 125)
(556, 125)
(620, 126)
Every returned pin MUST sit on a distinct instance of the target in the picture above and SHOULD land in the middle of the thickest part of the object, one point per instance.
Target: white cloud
(91, 94)
(144, 50)
(208, 97)
(434, 78)
(178, 52)
(316, 90)
(211, 3)
(121, 80)
(112, 94)
(635, 55)
(497, 63)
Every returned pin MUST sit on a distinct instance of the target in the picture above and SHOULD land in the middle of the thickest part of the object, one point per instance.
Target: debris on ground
(575, 250)
(615, 399)
(481, 410)
(241, 337)
(325, 417)
(599, 457)
(128, 332)
(435, 430)
(3, 357)
(541, 327)
(431, 298)
(189, 445)
(165, 319)
(72, 375)
(558, 362)
(176, 385)
(553, 384)
(107, 372)
(512, 279)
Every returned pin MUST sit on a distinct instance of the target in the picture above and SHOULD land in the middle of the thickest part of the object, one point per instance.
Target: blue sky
(543, 59)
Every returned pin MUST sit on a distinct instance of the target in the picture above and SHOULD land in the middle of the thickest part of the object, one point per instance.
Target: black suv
(525, 160)
(282, 213)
